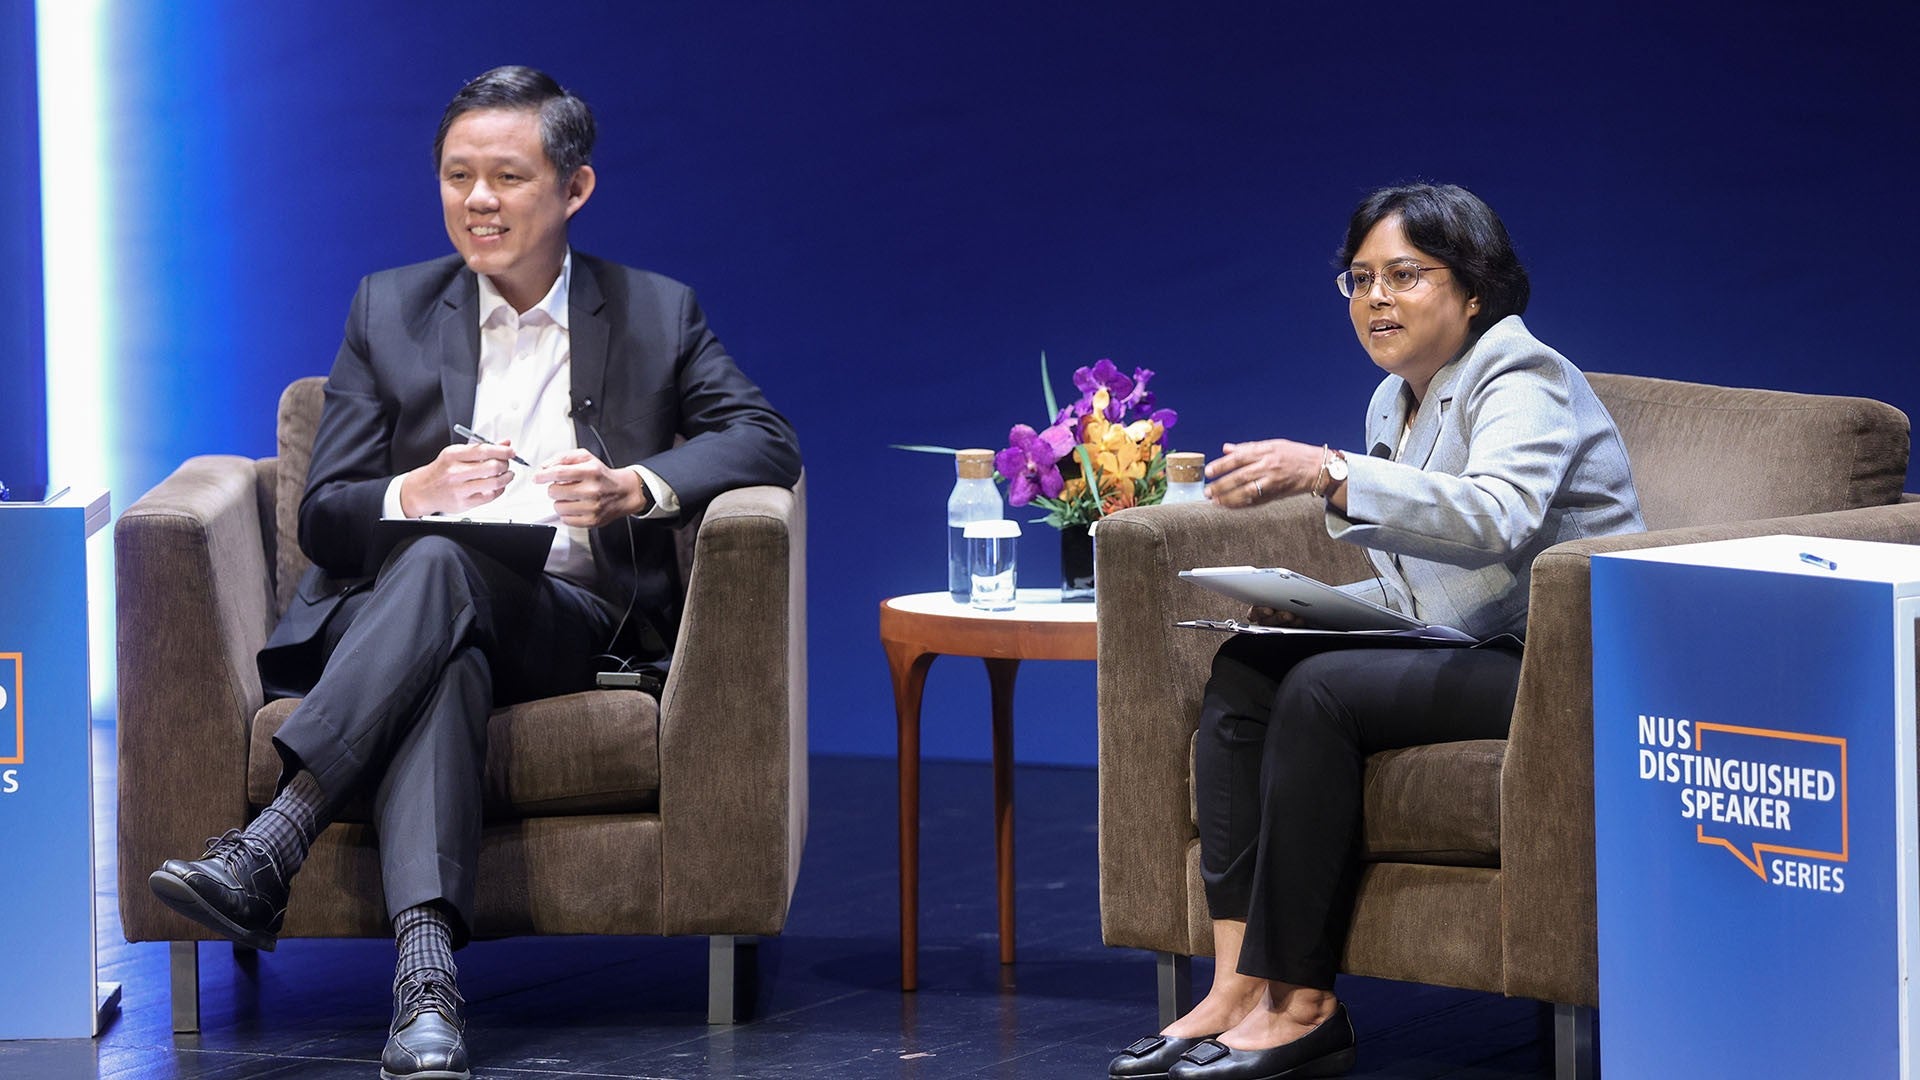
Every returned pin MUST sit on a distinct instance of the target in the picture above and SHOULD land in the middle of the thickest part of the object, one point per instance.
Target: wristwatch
(1336, 470)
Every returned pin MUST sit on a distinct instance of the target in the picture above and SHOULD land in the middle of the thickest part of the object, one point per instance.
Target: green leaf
(1046, 386)
(922, 449)
(1061, 513)
(1092, 476)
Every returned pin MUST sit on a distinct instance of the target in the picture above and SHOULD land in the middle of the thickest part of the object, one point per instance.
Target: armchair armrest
(1151, 676)
(1546, 814)
(194, 597)
(733, 720)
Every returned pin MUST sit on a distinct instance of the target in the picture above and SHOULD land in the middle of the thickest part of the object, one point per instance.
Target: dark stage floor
(829, 1002)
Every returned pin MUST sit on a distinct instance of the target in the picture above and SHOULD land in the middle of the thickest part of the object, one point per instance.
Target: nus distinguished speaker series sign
(1775, 800)
(1754, 796)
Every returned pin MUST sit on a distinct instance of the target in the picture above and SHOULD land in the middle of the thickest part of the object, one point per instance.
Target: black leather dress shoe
(425, 1041)
(1327, 1050)
(236, 889)
(1151, 1057)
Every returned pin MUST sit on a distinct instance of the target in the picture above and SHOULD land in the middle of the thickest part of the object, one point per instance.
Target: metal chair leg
(1576, 1042)
(732, 972)
(1175, 975)
(183, 960)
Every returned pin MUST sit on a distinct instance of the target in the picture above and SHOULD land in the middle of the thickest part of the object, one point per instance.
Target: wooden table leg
(909, 667)
(1000, 674)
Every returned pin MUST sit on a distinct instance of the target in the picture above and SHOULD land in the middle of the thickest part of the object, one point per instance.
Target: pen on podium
(1811, 559)
(466, 432)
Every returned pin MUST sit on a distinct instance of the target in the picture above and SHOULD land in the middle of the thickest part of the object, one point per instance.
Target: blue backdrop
(891, 209)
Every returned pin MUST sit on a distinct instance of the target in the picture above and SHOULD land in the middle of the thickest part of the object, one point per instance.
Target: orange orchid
(1120, 452)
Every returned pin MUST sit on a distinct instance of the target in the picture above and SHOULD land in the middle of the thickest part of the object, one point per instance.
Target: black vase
(1076, 564)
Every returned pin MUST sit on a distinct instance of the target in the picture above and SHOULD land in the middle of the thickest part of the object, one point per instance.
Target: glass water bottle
(974, 498)
(1184, 481)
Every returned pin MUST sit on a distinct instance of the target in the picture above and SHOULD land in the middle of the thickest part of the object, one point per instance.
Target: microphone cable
(579, 412)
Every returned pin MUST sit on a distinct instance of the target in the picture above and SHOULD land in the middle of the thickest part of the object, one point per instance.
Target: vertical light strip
(74, 226)
(73, 239)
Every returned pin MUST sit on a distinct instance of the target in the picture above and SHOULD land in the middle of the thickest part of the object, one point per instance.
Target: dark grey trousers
(413, 667)
(1285, 729)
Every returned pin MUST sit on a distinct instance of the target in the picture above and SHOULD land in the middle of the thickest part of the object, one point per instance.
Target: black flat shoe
(425, 1040)
(236, 889)
(1327, 1050)
(1151, 1057)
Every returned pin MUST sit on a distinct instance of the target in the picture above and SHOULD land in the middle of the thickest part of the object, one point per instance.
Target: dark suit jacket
(406, 373)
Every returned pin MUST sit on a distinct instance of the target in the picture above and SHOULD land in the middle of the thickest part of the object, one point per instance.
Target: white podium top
(1029, 605)
(1816, 556)
(92, 500)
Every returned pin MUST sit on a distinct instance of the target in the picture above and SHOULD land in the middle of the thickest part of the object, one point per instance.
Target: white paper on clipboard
(1320, 605)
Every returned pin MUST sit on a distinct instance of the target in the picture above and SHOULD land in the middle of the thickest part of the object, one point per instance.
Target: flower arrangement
(1100, 454)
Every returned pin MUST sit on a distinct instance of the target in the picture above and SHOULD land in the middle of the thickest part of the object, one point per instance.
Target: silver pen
(466, 432)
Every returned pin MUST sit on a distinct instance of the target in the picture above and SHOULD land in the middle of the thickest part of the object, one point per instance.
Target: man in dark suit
(552, 354)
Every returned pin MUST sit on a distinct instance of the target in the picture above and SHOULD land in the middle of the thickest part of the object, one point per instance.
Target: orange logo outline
(1753, 864)
(19, 713)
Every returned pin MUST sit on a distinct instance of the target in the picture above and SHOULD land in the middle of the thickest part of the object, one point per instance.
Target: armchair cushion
(299, 418)
(1707, 454)
(1437, 804)
(588, 753)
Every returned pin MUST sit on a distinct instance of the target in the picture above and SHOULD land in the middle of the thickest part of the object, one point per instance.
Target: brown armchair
(1479, 855)
(606, 812)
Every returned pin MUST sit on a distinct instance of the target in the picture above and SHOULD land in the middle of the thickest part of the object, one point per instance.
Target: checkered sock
(424, 938)
(291, 821)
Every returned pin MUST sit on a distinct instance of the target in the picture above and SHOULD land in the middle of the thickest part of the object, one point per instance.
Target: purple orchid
(1030, 462)
(1103, 373)
(1125, 396)
(1140, 399)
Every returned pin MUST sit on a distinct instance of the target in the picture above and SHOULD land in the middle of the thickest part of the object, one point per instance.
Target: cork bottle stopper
(1184, 467)
(974, 464)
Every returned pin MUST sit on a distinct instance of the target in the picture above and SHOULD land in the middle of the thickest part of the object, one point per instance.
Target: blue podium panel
(46, 814)
(1754, 807)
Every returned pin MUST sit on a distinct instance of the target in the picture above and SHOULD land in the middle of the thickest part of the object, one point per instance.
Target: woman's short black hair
(1458, 228)
(566, 123)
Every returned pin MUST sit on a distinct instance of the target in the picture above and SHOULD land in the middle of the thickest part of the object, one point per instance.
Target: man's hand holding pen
(460, 477)
(585, 492)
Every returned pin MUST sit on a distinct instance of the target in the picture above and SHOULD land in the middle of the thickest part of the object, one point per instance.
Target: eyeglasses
(1398, 276)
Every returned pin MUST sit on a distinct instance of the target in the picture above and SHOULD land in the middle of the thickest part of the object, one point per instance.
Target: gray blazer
(1510, 454)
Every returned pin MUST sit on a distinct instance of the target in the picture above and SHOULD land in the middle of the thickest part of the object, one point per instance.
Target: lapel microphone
(580, 409)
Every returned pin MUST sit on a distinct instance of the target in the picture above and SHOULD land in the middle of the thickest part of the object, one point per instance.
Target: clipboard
(519, 547)
(1320, 604)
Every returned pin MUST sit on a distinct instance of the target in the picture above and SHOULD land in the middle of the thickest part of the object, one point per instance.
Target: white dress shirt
(524, 396)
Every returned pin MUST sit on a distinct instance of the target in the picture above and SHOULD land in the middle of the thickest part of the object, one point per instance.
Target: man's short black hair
(1458, 228)
(566, 123)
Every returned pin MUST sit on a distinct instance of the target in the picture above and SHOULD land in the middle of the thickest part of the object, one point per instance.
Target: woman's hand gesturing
(1250, 473)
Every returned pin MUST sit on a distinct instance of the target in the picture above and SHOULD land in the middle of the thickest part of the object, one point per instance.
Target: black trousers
(413, 667)
(1285, 729)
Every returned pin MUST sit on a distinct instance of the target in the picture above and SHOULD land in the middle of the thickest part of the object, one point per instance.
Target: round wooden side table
(915, 629)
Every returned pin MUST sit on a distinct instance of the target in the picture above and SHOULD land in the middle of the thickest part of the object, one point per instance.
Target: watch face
(1337, 469)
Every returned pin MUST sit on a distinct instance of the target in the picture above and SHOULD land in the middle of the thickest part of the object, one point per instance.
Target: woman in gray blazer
(1483, 448)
